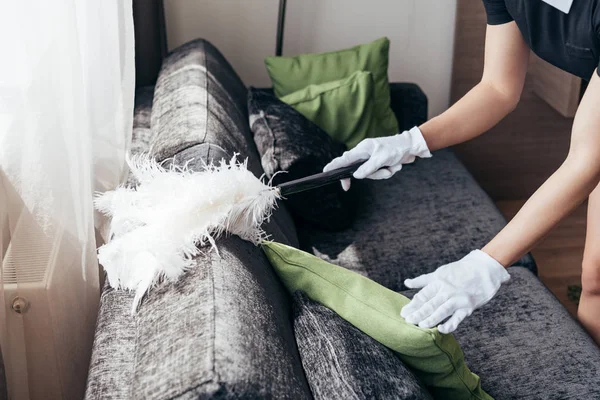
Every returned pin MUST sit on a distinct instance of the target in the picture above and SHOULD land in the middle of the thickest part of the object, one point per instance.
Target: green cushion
(435, 358)
(290, 74)
(343, 108)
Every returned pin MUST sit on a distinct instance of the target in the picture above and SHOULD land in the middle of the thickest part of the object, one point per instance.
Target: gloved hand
(454, 290)
(388, 153)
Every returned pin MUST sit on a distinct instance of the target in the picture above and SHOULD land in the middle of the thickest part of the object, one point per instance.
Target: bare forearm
(478, 111)
(563, 191)
(568, 187)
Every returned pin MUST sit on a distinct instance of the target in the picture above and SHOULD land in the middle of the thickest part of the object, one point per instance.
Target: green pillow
(343, 108)
(435, 358)
(290, 74)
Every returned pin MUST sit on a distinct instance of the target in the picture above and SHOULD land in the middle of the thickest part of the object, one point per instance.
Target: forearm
(478, 111)
(568, 187)
(571, 184)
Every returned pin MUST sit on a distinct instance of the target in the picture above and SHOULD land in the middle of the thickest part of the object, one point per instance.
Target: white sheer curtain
(66, 104)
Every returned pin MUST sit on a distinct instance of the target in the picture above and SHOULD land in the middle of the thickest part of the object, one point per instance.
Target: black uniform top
(568, 41)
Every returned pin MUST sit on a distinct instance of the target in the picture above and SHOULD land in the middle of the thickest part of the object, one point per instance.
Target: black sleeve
(496, 12)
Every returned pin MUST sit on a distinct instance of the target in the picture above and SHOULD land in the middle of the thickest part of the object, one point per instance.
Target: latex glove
(389, 153)
(454, 290)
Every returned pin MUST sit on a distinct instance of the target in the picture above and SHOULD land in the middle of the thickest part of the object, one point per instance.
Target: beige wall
(421, 32)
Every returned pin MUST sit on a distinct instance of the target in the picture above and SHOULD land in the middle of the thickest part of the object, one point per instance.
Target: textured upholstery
(141, 135)
(525, 345)
(430, 213)
(113, 356)
(200, 100)
(224, 329)
(293, 147)
(341, 362)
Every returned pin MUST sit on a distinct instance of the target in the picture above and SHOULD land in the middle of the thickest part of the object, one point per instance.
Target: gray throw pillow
(293, 145)
(341, 362)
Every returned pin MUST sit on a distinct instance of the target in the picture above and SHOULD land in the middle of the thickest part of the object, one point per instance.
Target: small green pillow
(343, 109)
(290, 74)
(435, 358)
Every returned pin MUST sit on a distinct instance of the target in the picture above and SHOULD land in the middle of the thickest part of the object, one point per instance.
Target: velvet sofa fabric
(174, 349)
(370, 370)
(292, 147)
(436, 359)
(437, 198)
(525, 345)
(196, 334)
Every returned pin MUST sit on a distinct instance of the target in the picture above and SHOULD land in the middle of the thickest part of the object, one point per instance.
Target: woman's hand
(383, 156)
(454, 290)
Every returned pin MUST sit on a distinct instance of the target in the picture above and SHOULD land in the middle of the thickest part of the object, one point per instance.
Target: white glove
(454, 290)
(384, 156)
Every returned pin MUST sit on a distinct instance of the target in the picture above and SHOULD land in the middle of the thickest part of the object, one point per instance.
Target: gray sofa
(228, 329)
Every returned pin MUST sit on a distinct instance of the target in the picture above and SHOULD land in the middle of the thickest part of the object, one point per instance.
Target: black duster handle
(318, 180)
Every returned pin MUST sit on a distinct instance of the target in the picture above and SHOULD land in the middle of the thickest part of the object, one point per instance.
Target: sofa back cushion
(199, 114)
(199, 98)
(224, 329)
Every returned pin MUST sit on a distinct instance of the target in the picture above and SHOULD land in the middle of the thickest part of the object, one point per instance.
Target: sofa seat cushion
(430, 213)
(525, 345)
(341, 362)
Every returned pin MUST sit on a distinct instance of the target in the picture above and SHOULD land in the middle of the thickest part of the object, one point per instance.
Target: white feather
(158, 227)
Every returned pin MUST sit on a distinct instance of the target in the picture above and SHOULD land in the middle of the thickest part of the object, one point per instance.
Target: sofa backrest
(224, 329)
(200, 114)
(199, 99)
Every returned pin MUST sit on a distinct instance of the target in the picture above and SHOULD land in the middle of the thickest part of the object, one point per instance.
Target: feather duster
(159, 226)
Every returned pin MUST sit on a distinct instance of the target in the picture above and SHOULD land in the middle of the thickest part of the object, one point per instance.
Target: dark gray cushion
(430, 213)
(113, 356)
(224, 329)
(341, 362)
(409, 104)
(525, 345)
(290, 143)
(200, 100)
(221, 331)
(111, 366)
(141, 135)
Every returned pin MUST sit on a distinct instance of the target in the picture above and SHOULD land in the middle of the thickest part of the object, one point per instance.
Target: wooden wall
(514, 158)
